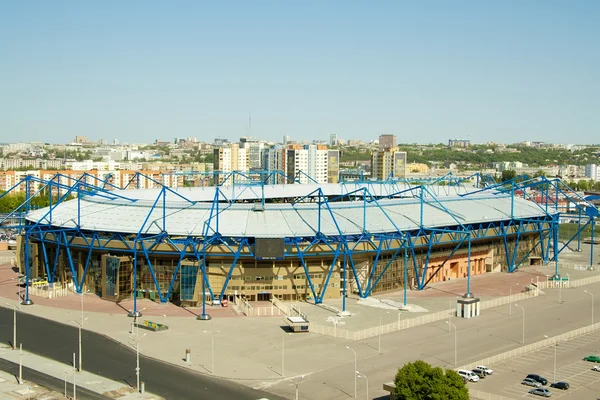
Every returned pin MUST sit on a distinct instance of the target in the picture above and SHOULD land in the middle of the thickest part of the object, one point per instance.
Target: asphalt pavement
(115, 361)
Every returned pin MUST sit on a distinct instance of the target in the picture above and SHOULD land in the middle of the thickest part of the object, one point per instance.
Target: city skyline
(425, 72)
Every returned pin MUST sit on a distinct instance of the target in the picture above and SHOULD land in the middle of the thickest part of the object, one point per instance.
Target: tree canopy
(419, 380)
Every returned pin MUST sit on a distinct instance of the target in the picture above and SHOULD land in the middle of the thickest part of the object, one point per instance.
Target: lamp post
(591, 294)
(355, 367)
(516, 305)
(554, 341)
(80, 326)
(135, 317)
(297, 383)
(212, 352)
(16, 307)
(367, 380)
(455, 342)
(510, 299)
(137, 340)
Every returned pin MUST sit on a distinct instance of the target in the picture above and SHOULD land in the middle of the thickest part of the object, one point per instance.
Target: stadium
(291, 242)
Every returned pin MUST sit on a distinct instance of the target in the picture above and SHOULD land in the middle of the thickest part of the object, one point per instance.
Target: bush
(419, 380)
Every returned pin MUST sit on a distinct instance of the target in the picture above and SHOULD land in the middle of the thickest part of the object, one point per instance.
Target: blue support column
(134, 313)
(578, 231)
(555, 241)
(469, 294)
(344, 285)
(27, 301)
(592, 245)
(405, 269)
(204, 316)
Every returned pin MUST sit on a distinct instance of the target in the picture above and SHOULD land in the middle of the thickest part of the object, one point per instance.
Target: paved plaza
(259, 353)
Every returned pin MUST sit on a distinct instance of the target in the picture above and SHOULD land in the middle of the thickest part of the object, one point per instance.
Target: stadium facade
(293, 242)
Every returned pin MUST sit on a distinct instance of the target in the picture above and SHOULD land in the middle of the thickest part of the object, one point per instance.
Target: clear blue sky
(426, 71)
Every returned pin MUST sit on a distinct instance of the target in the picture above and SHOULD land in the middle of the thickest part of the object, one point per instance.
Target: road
(115, 361)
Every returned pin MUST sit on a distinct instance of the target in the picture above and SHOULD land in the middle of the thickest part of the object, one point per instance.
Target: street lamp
(355, 368)
(16, 307)
(591, 294)
(297, 383)
(135, 317)
(364, 376)
(137, 356)
(554, 378)
(80, 325)
(516, 305)
(455, 341)
(510, 299)
(212, 351)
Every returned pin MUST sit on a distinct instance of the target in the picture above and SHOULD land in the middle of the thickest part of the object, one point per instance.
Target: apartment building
(227, 159)
(387, 142)
(310, 163)
(389, 163)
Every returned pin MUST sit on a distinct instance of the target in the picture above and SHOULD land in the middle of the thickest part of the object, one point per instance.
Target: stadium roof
(191, 215)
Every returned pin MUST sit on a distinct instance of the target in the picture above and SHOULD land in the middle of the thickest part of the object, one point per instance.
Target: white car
(596, 368)
(468, 375)
(488, 371)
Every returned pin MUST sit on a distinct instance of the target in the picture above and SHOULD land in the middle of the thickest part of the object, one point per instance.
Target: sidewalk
(62, 372)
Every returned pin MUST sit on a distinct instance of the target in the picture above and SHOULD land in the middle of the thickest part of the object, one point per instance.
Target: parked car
(488, 371)
(596, 368)
(531, 382)
(469, 375)
(592, 358)
(479, 372)
(541, 392)
(560, 385)
(538, 378)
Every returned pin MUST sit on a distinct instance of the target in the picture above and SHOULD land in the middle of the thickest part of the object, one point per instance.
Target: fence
(412, 322)
(48, 291)
(243, 305)
(251, 311)
(291, 310)
(533, 347)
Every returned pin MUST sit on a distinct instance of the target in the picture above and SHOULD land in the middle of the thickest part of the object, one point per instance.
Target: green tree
(419, 380)
(508, 174)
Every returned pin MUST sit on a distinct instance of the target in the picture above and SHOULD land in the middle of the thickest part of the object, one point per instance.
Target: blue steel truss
(407, 247)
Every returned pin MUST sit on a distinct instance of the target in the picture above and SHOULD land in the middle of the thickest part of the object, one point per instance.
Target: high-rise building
(592, 171)
(273, 159)
(227, 159)
(333, 139)
(254, 149)
(310, 163)
(387, 142)
(286, 139)
(389, 163)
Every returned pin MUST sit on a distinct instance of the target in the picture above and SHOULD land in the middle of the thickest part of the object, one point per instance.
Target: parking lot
(570, 367)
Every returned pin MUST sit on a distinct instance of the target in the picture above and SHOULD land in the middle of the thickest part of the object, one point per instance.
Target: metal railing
(48, 291)
(533, 347)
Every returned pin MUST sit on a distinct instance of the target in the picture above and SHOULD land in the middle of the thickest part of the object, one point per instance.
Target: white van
(468, 375)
